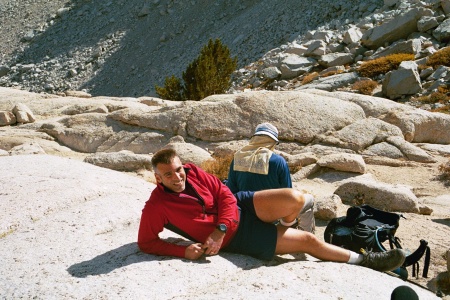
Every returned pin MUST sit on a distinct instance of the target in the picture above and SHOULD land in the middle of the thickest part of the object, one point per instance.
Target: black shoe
(383, 261)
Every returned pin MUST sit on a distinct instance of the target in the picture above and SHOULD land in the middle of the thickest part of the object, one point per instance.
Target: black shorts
(253, 237)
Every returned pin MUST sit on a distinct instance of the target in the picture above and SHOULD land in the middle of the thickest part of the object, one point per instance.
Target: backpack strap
(426, 263)
(416, 255)
(414, 267)
(413, 259)
(394, 241)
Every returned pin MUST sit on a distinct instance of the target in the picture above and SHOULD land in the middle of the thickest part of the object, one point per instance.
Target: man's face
(172, 175)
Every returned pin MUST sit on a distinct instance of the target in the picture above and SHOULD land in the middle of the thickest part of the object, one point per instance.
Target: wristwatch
(222, 227)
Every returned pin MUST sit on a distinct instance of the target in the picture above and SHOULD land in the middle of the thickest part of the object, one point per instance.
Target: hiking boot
(383, 261)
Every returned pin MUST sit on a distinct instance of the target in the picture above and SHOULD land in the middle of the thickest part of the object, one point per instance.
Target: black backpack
(365, 227)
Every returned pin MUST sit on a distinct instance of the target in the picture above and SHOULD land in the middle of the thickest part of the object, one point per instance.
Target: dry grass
(439, 58)
(331, 73)
(436, 97)
(445, 171)
(218, 166)
(443, 109)
(310, 77)
(441, 96)
(383, 65)
(365, 87)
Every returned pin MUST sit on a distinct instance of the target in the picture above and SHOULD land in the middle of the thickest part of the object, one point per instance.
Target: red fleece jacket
(196, 217)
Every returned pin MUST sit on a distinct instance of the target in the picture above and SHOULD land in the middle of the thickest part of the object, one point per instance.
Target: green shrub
(441, 57)
(172, 90)
(383, 65)
(209, 74)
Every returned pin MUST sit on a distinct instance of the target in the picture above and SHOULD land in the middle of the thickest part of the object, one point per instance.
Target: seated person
(256, 167)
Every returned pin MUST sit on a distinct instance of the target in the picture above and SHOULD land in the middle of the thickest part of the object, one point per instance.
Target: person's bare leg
(271, 205)
(290, 241)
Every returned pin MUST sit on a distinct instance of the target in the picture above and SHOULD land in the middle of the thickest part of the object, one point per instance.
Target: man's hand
(213, 242)
(194, 251)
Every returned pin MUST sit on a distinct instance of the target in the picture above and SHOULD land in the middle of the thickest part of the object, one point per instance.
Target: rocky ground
(113, 248)
(124, 48)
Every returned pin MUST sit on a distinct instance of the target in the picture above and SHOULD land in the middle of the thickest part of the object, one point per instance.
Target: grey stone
(426, 23)
(336, 59)
(401, 82)
(343, 162)
(331, 83)
(7, 118)
(271, 73)
(413, 46)
(4, 70)
(120, 161)
(398, 28)
(442, 32)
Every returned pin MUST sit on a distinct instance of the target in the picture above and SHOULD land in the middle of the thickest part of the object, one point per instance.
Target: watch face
(222, 227)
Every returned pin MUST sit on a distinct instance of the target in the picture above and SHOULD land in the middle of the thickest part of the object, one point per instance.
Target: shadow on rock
(109, 261)
(442, 221)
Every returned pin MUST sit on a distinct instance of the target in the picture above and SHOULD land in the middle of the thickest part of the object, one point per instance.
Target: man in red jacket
(198, 206)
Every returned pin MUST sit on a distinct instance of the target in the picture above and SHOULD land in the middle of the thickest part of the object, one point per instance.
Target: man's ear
(158, 177)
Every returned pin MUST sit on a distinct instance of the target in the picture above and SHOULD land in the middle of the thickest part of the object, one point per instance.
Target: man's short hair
(164, 156)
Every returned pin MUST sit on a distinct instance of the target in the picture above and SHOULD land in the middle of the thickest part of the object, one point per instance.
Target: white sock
(288, 224)
(355, 258)
(309, 202)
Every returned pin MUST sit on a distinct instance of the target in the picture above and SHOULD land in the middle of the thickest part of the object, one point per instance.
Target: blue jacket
(278, 177)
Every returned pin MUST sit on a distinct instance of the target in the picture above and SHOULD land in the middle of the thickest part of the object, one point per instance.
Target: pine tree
(209, 74)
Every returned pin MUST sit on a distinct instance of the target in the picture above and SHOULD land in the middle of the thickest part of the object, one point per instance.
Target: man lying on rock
(198, 206)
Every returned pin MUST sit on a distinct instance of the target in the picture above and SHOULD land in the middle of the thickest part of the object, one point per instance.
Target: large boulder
(364, 189)
(48, 105)
(421, 126)
(410, 151)
(95, 132)
(404, 81)
(384, 149)
(23, 114)
(417, 125)
(299, 116)
(120, 161)
(343, 162)
(81, 222)
(413, 46)
(361, 134)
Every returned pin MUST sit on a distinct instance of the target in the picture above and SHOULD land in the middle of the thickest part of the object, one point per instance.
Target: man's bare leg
(292, 241)
(271, 205)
